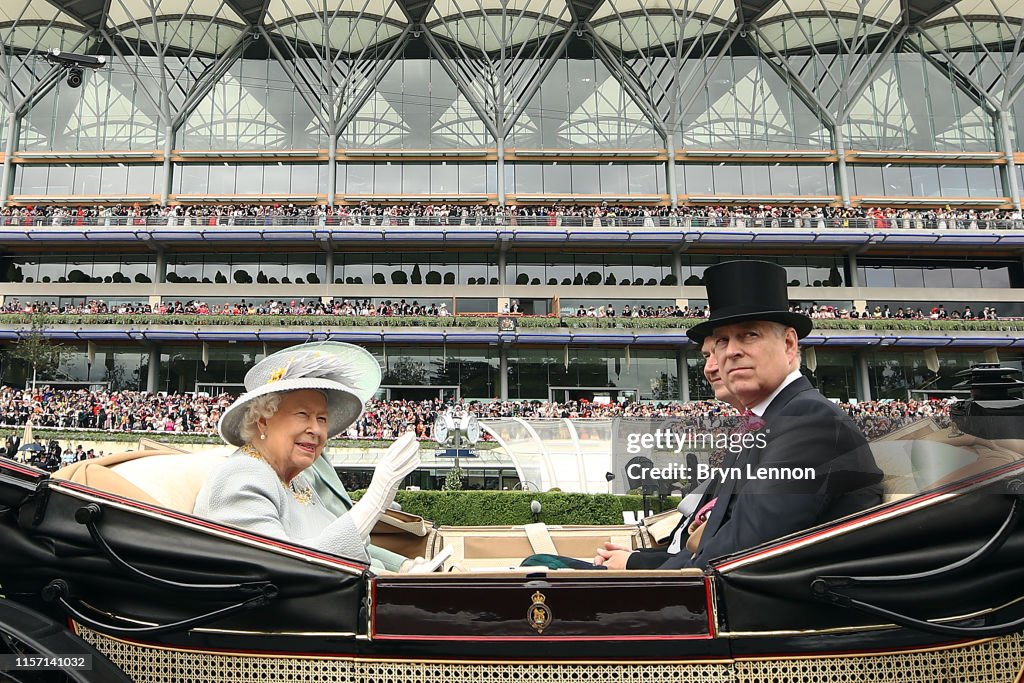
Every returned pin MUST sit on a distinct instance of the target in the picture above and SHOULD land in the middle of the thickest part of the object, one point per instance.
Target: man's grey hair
(262, 407)
(778, 328)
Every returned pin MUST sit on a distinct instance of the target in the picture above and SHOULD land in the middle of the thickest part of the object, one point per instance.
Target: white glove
(415, 566)
(400, 459)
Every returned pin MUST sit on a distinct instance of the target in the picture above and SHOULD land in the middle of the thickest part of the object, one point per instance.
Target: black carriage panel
(178, 567)
(770, 591)
(578, 606)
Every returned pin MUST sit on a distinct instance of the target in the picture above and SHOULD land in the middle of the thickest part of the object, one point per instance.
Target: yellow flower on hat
(276, 375)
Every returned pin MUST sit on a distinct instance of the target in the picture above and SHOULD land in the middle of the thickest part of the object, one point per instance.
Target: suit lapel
(723, 492)
(727, 490)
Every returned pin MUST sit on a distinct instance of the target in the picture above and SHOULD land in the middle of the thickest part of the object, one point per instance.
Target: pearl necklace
(303, 495)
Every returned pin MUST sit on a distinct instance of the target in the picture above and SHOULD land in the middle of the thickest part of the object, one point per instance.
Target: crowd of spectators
(402, 307)
(558, 214)
(354, 307)
(134, 411)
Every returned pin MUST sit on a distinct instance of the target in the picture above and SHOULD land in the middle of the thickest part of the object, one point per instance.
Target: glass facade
(648, 373)
(740, 102)
(911, 105)
(904, 375)
(415, 268)
(416, 106)
(117, 368)
(802, 271)
(561, 268)
(281, 268)
(563, 178)
(834, 373)
(87, 179)
(253, 106)
(707, 100)
(110, 111)
(182, 369)
(78, 268)
(893, 180)
(279, 178)
(938, 273)
(582, 105)
(473, 370)
(439, 177)
(756, 179)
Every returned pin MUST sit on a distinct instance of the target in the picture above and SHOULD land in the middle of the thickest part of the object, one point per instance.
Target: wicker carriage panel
(993, 661)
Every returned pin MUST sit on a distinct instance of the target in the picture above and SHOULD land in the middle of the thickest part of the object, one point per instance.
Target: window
(925, 181)
(868, 180)
(983, 181)
(359, 179)
(897, 181)
(953, 181)
(444, 178)
(415, 178)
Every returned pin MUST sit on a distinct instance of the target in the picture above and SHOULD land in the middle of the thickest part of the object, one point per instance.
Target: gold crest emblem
(539, 615)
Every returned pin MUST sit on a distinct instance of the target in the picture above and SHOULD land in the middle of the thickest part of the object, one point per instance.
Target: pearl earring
(263, 437)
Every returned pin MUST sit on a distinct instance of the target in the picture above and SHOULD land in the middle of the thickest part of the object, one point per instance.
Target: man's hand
(613, 556)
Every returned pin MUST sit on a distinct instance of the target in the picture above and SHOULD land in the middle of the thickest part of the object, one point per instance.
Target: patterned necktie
(750, 421)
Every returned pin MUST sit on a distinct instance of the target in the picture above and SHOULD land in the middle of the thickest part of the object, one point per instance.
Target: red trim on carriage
(199, 521)
(868, 516)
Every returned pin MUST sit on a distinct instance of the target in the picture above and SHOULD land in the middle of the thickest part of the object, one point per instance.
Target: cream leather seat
(168, 477)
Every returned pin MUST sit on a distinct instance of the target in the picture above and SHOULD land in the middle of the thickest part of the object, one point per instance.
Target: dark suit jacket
(802, 429)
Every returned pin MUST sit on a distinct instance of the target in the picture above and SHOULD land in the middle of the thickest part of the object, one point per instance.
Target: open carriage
(107, 560)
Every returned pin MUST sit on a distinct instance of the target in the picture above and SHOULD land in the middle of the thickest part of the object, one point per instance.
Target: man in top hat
(755, 341)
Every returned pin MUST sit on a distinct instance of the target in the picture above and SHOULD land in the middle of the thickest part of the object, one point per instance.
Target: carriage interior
(914, 459)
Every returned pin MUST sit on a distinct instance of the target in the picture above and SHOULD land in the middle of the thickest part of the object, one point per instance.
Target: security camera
(70, 60)
(74, 64)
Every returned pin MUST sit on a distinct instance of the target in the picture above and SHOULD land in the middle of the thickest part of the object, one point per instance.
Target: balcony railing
(135, 320)
(510, 222)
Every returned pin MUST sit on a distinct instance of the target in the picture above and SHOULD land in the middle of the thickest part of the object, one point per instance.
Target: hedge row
(133, 320)
(497, 508)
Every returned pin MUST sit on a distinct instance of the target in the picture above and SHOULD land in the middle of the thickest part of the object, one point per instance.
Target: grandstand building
(801, 104)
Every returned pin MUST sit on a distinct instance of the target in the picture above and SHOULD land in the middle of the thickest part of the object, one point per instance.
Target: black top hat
(740, 291)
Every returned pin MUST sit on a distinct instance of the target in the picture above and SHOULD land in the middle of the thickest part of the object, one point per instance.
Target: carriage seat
(911, 466)
(167, 477)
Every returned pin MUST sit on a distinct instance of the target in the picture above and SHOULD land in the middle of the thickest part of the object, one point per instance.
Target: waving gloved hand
(399, 461)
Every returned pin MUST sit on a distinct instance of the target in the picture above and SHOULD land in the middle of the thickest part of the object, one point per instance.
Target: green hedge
(496, 508)
(128, 321)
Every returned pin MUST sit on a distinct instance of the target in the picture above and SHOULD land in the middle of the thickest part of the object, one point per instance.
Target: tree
(38, 352)
(453, 481)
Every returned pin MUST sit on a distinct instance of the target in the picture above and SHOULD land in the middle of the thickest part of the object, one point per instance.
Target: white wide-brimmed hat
(348, 375)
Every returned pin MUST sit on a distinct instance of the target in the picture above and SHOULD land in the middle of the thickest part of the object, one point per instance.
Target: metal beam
(539, 78)
(209, 78)
(165, 118)
(847, 95)
(987, 100)
(460, 83)
(785, 70)
(1006, 137)
(381, 69)
(628, 80)
(314, 105)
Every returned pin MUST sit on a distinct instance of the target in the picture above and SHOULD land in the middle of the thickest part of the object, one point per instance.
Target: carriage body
(167, 596)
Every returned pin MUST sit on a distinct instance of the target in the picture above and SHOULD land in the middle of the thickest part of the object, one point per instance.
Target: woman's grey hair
(262, 407)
